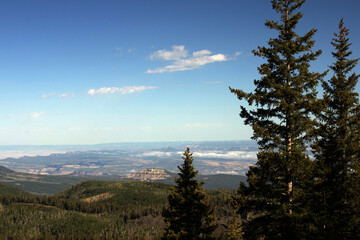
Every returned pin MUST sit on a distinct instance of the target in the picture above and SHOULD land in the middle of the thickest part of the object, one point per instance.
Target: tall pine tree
(337, 149)
(281, 118)
(189, 215)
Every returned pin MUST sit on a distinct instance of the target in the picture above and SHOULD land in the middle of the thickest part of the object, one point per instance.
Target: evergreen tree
(337, 149)
(188, 215)
(281, 118)
(234, 227)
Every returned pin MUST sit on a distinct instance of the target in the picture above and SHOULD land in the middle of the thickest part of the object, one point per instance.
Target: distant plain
(211, 157)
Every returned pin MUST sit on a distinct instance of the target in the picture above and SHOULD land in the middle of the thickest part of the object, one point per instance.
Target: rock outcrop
(150, 174)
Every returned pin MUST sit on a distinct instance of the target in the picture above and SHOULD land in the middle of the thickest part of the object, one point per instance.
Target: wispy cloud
(230, 155)
(123, 90)
(226, 172)
(181, 60)
(62, 95)
(129, 50)
(237, 54)
(176, 53)
(227, 154)
(65, 95)
(48, 95)
(31, 115)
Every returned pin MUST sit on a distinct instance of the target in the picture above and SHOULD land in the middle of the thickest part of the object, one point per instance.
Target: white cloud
(181, 62)
(32, 115)
(48, 95)
(227, 155)
(226, 172)
(65, 95)
(237, 54)
(123, 90)
(157, 154)
(201, 53)
(176, 53)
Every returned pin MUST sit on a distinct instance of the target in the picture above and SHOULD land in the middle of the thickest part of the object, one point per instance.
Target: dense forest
(97, 210)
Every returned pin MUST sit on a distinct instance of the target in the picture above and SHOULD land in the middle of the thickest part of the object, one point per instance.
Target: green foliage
(33, 221)
(37, 184)
(234, 231)
(4, 170)
(189, 215)
(337, 149)
(125, 192)
(284, 102)
(234, 225)
(8, 190)
(132, 211)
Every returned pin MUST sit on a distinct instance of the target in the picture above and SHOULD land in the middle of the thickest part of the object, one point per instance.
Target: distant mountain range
(50, 184)
(221, 157)
(51, 169)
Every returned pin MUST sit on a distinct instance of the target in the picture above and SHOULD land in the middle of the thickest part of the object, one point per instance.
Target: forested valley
(96, 210)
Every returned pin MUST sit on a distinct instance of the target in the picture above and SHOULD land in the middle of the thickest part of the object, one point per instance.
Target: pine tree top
(189, 215)
(285, 96)
(339, 92)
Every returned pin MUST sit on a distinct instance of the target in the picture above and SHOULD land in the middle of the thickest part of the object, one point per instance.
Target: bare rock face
(149, 174)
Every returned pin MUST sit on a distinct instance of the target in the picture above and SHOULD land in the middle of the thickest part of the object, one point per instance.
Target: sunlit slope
(124, 192)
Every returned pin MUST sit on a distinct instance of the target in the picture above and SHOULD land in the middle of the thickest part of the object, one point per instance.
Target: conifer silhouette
(188, 215)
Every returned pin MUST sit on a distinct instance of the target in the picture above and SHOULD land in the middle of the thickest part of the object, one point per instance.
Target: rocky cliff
(150, 174)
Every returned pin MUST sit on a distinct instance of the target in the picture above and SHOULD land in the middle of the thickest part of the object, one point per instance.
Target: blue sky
(85, 72)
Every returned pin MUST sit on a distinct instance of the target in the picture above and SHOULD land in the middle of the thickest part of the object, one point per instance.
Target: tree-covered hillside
(97, 210)
(8, 190)
(123, 193)
(37, 184)
(53, 184)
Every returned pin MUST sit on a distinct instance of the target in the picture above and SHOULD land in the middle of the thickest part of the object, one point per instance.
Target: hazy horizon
(212, 157)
